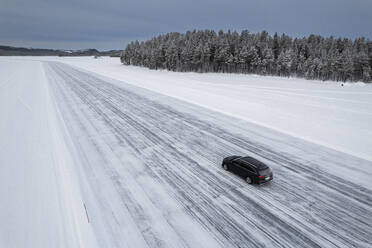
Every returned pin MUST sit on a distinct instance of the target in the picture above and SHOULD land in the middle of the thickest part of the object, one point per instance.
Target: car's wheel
(248, 180)
(225, 167)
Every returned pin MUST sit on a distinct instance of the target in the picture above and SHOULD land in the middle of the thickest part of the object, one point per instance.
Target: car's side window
(236, 163)
(249, 168)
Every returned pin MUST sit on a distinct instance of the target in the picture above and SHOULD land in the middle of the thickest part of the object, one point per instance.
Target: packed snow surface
(325, 113)
(94, 153)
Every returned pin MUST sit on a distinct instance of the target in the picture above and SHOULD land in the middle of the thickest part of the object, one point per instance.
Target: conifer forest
(312, 57)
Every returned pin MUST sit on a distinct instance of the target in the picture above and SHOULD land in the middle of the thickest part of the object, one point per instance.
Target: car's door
(235, 167)
(248, 171)
(239, 169)
(232, 166)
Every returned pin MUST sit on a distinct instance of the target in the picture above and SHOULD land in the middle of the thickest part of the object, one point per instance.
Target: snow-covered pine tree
(312, 57)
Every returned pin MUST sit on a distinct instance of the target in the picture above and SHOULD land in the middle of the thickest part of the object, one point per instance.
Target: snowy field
(97, 154)
(320, 112)
(40, 202)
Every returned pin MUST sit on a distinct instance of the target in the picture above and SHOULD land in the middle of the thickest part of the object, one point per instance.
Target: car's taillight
(261, 176)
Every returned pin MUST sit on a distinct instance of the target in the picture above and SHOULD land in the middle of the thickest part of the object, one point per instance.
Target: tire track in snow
(181, 152)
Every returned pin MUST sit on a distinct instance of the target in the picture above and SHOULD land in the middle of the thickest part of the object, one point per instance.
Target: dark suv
(252, 170)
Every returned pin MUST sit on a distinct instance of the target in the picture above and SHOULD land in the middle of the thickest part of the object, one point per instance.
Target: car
(252, 170)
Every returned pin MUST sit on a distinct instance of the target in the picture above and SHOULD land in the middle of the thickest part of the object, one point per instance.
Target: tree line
(313, 57)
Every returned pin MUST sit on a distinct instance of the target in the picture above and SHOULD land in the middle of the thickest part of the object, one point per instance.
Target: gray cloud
(110, 24)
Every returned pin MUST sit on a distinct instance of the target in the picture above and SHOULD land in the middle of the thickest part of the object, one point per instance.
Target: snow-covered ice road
(150, 174)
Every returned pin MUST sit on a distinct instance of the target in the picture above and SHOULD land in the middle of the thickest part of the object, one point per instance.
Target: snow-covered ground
(321, 112)
(146, 165)
(40, 200)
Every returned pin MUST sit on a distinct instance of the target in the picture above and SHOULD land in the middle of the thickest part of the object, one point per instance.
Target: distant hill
(21, 51)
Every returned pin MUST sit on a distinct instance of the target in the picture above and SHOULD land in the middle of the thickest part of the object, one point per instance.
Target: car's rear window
(264, 172)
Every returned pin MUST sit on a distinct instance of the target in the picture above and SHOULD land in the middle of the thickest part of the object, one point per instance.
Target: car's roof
(253, 162)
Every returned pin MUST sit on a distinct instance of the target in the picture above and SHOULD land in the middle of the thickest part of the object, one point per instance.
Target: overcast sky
(110, 24)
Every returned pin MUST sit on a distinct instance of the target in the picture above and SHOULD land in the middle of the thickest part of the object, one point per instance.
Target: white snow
(151, 176)
(324, 113)
(40, 201)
